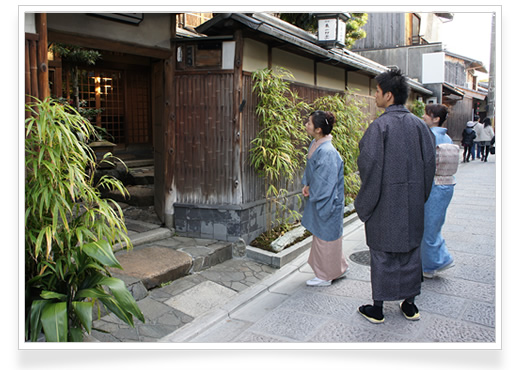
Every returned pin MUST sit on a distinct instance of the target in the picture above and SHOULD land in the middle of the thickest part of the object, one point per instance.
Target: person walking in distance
(396, 164)
(487, 134)
(435, 256)
(467, 140)
(476, 149)
(323, 185)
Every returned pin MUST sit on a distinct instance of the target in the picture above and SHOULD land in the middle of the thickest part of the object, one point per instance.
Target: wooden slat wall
(203, 105)
(455, 72)
(204, 137)
(459, 115)
(383, 30)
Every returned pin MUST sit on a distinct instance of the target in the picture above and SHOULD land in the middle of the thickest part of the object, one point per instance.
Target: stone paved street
(457, 306)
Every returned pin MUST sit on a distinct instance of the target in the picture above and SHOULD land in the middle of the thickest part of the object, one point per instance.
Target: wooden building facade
(411, 42)
(188, 96)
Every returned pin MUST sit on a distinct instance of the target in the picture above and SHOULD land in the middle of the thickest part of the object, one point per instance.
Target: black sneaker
(410, 311)
(372, 314)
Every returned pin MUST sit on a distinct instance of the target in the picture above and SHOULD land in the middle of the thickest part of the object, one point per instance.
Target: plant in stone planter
(70, 229)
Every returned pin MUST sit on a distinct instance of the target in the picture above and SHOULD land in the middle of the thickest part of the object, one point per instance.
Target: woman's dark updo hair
(437, 110)
(324, 120)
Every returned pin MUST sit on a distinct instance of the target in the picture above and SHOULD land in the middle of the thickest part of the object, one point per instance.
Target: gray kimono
(397, 163)
(324, 209)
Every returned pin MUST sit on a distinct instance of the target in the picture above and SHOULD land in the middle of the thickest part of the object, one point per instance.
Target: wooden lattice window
(103, 89)
(123, 98)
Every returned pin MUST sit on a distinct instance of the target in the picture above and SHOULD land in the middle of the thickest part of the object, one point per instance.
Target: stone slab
(201, 298)
(154, 265)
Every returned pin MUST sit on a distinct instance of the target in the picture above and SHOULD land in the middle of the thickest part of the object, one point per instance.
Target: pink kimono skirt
(327, 259)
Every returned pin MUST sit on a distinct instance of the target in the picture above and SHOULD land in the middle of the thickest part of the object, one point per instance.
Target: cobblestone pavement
(173, 305)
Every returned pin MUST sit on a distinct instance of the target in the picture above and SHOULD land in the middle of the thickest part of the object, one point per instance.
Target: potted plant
(70, 229)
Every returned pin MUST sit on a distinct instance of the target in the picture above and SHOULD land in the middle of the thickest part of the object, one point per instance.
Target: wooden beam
(99, 43)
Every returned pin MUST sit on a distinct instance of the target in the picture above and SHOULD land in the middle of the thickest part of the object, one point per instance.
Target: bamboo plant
(351, 122)
(276, 151)
(70, 229)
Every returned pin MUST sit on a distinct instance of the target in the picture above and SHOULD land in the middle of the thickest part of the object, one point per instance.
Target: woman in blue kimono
(323, 182)
(435, 256)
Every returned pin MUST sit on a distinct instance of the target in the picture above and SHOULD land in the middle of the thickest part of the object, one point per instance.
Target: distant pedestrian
(487, 134)
(435, 256)
(323, 182)
(467, 140)
(396, 165)
(477, 147)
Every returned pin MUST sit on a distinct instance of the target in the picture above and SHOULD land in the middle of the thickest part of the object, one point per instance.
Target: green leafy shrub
(418, 108)
(69, 229)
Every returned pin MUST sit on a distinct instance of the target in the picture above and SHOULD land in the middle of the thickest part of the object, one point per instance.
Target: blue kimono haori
(324, 175)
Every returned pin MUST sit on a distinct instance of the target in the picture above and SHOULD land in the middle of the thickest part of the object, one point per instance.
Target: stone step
(159, 257)
(145, 237)
(141, 175)
(133, 163)
(154, 265)
(140, 195)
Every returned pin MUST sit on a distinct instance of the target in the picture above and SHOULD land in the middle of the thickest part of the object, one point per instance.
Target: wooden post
(33, 61)
(43, 70)
(237, 120)
(169, 125)
(27, 72)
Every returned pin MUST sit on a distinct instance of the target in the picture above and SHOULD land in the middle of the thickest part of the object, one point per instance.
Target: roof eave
(285, 32)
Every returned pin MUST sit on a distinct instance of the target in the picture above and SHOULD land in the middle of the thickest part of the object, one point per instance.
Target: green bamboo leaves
(276, 151)
(351, 119)
(69, 228)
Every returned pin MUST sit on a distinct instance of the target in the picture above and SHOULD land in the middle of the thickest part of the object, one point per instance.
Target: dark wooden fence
(205, 145)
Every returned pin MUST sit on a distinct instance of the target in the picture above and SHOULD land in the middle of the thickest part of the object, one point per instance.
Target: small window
(208, 54)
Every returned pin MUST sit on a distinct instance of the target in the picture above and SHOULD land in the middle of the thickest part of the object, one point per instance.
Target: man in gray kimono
(396, 162)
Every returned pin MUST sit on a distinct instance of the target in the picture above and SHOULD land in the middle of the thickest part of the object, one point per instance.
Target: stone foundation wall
(225, 222)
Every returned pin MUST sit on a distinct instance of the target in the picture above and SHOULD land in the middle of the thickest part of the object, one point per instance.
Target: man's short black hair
(395, 82)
